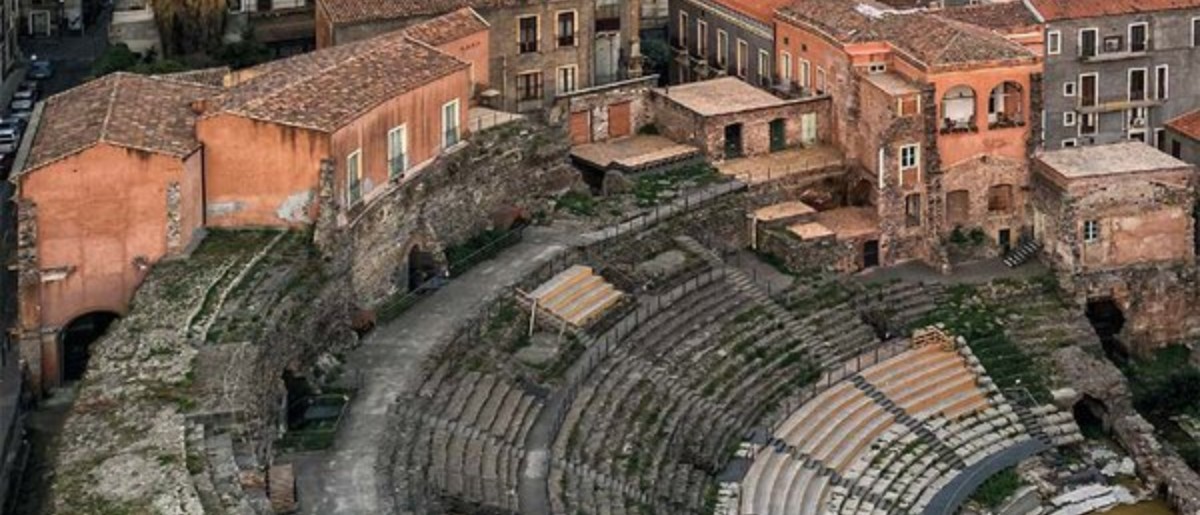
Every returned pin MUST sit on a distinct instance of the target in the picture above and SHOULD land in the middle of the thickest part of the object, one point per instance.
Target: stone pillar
(174, 229)
(29, 314)
(939, 257)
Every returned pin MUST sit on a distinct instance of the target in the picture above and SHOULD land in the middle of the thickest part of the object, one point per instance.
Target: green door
(778, 135)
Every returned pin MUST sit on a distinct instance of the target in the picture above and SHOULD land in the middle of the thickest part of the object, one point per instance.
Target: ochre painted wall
(473, 49)
(1006, 142)
(260, 174)
(420, 111)
(97, 212)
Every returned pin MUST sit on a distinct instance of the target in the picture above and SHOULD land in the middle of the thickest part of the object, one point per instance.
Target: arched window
(958, 110)
(1006, 106)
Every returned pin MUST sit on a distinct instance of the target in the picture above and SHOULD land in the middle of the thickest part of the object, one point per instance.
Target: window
(820, 81)
(1162, 82)
(1139, 40)
(743, 55)
(1087, 124)
(1069, 119)
(1070, 143)
(701, 38)
(908, 156)
(785, 67)
(1160, 139)
(804, 73)
(450, 132)
(1176, 149)
(566, 78)
(527, 34)
(909, 105)
(1087, 42)
(764, 66)
(1137, 84)
(683, 29)
(1000, 198)
(1091, 231)
(912, 210)
(529, 86)
(397, 151)
(354, 178)
(566, 28)
(1054, 42)
(876, 68)
(1068, 89)
(1196, 32)
(1089, 93)
(722, 48)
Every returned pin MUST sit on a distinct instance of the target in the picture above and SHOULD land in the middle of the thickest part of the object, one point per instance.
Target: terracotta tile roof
(1007, 17)
(207, 76)
(326, 89)
(140, 112)
(345, 12)
(1052, 10)
(929, 38)
(761, 10)
(1187, 125)
(444, 29)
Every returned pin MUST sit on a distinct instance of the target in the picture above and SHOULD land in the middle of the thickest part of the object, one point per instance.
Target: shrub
(998, 488)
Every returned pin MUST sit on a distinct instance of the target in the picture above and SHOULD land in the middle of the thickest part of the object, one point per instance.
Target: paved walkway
(346, 480)
(977, 272)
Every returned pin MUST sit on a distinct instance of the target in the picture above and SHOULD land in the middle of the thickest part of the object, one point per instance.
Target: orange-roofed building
(937, 112)
(111, 183)
(1182, 140)
(377, 108)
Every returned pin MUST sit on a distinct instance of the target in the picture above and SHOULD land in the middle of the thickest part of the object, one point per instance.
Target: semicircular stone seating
(886, 440)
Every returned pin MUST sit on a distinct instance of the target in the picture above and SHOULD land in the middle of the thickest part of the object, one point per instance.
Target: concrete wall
(259, 173)
(1170, 40)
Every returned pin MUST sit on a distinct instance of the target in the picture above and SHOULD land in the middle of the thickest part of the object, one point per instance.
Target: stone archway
(76, 339)
(421, 266)
(1092, 415)
(1108, 319)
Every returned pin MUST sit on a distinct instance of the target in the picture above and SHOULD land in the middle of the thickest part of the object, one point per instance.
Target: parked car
(41, 70)
(31, 84)
(21, 108)
(25, 94)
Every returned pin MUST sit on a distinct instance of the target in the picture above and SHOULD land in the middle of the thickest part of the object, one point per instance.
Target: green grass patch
(998, 488)
(577, 203)
(651, 190)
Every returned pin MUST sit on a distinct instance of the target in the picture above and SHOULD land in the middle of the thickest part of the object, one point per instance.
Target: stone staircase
(1023, 254)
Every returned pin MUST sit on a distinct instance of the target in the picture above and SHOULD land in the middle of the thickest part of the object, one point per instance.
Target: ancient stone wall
(1158, 302)
(596, 102)
(512, 167)
(825, 252)
(1157, 465)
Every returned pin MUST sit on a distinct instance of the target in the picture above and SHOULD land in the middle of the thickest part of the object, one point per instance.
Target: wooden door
(619, 122)
(581, 128)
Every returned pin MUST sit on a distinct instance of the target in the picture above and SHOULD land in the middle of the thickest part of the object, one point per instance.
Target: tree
(190, 26)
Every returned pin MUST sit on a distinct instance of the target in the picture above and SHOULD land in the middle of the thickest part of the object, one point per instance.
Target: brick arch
(954, 117)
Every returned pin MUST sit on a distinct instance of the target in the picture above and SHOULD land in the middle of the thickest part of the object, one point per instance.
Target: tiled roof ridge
(993, 36)
(112, 102)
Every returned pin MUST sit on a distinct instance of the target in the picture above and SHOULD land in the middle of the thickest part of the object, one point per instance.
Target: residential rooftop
(348, 12)
(1053, 10)
(1005, 18)
(761, 10)
(139, 112)
(926, 37)
(1187, 125)
(1106, 160)
(450, 27)
(716, 97)
(327, 89)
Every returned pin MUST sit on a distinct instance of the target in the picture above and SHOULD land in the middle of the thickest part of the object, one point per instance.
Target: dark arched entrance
(1092, 416)
(860, 194)
(77, 338)
(1107, 320)
(421, 267)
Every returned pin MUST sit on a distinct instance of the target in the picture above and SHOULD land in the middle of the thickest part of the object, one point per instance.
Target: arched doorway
(1092, 416)
(77, 338)
(421, 267)
(1107, 320)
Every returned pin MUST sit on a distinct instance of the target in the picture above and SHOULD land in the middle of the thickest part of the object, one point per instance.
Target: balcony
(1109, 106)
(1107, 57)
(958, 126)
(608, 18)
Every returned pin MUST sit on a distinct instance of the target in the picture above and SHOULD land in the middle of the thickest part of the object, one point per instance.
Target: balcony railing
(1120, 104)
(1104, 57)
(527, 47)
(958, 126)
(566, 40)
(608, 18)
